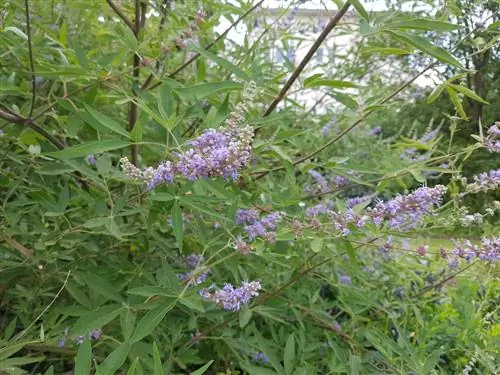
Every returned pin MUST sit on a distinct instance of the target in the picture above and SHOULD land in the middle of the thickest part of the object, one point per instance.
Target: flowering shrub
(168, 208)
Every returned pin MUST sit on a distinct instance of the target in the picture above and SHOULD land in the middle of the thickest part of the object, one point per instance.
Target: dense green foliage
(96, 270)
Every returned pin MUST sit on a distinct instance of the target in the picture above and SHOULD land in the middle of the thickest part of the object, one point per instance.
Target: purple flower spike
(405, 211)
(232, 299)
(260, 357)
(344, 279)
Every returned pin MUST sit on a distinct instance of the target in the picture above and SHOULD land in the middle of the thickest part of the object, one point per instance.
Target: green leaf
(96, 319)
(93, 147)
(95, 222)
(115, 360)
(83, 360)
(148, 323)
(456, 102)
(133, 367)
(206, 89)
(177, 224)
(317, 244)
(245, 315)
(423, 45)
(435, 94)
(223, 63)
(101, 286)
(127, 323)
(289, 355)
(345, 99)
(330, 83)
(165, 101)
(157, 366)
(113, 228)
(467, 92)
(359, 7)
(422, 24)
(202, 369)
(106, 121)
(386, 51)
(355, 365)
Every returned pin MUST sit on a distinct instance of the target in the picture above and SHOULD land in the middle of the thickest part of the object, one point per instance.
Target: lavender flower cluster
(488, 251)
(258, 227)
(405, 211)
(492, 141)
(221, 152)
(95, 334)
(412, 154)
(484, 182)
(401, 212)
(194, 276)
(323, 185)
(260, 357)
(230, 298)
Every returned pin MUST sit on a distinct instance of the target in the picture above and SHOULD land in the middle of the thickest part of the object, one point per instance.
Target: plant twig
(120, 14)
(30, 52)
(195, 56)
(21, 334)
(331, 25)
(27, 253)
(133, 110)
(16, 119)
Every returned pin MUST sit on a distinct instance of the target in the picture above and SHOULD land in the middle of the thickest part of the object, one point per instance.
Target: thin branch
(195, 56)
(120, 14)
(133, 111)
(45, 309)
(331, 25)
(15, 119)
(27, 253)
(30, 52)
(452, 276)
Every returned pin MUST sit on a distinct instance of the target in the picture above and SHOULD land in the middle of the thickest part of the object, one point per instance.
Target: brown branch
(27, 253)
(140, 11)
(195, 56)
(30, 53)
(120, 14)
(16, 119)
(331, 25)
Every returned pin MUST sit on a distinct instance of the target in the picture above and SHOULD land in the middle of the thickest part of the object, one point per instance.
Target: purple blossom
(488, 250)
(376, 131)
(388, 245)
(247, 216)
(193, 260)
(405, 211)
(260, 227)
(79, 339)
(328, 127)
(91, 160)
(351, 202)
(344, 279)
(230, 298)
(321, 182)
(342, 220)
(336, 326)
(318, 209)
(192, 279)
(215, 153)
(61, 342)
(492, 141)
(484, 182)
(95, 334)
(260, 357)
